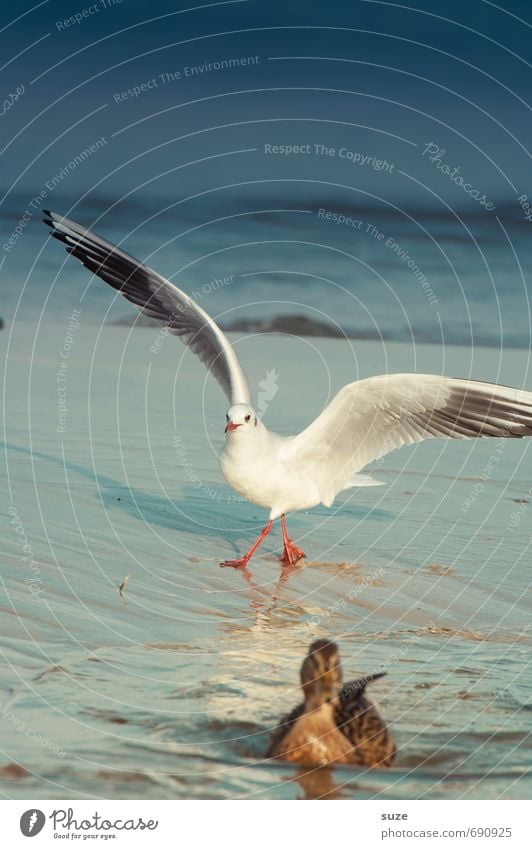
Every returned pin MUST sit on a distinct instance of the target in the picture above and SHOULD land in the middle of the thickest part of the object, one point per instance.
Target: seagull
(365, 420)
(335, 724)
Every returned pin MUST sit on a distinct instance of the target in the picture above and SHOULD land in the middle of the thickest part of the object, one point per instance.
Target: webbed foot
(291, 553)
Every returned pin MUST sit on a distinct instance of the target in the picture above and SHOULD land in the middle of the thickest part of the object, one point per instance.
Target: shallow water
(170, 690)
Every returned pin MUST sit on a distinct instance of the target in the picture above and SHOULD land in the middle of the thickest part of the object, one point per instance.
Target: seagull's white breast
(251, 464)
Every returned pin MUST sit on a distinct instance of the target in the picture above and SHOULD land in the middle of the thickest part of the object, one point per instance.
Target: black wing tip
(52, 220)
(50, 217)
(61, 237)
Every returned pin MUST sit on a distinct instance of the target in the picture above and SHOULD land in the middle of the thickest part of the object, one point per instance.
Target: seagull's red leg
(242, 562)
(291, 553)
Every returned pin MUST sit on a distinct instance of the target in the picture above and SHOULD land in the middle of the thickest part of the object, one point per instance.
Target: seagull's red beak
(231, 426)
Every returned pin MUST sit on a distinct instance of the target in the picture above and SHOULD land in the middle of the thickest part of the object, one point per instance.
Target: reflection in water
(318, 783)
(265, 606)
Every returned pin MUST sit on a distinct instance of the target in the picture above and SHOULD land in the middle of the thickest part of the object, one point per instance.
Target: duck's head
(240, 417)
(321, 673)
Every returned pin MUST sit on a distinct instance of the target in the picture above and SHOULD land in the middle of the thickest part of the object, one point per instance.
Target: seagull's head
(240, 417)
(321, 673)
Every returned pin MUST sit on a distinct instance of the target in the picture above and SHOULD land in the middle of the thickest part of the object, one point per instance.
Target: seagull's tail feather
(363, 480)
(354, 689)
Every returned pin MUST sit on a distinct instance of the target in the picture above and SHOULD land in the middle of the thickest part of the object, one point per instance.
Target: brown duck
(336, 724)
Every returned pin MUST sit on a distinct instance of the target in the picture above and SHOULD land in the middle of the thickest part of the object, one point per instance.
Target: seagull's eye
(227, 418)
(248, 418)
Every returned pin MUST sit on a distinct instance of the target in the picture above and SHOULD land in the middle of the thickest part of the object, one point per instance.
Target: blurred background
(166, 129)
(330, 169)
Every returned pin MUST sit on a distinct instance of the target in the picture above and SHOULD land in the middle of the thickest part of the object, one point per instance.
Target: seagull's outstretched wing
(372, 417)
(156, 297)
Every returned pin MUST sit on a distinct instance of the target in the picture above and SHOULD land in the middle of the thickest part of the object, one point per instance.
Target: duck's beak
(231, 426)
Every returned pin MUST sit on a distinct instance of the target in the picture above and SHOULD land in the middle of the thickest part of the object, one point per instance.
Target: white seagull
(365, 420)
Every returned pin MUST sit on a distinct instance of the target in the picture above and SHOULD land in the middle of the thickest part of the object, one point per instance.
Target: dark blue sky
(379, 79)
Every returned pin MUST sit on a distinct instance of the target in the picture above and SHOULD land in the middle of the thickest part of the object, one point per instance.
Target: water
(411, 274)
(171, 690)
